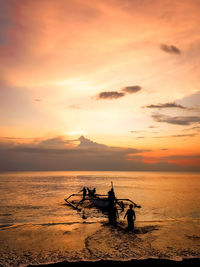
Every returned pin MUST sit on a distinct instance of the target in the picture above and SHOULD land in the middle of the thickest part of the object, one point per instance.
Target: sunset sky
(100, 85)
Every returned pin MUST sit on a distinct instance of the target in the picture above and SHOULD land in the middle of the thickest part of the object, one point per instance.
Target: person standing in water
(111, 196)
(84, 192)
(113, 214)
(130, 214)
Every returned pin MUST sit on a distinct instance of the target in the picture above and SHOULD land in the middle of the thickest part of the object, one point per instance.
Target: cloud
(165, 105)
(17, 138)
(59, 153)
(152, 127)
(170, 49)
(183, 135)
(177, 136)
(137, 131)
(56, 142)
(87, 143)
(62, 145)
(178, 120)
(184, 160)
(131, 89)
(187, 161)
(110, 95)
(192, 100)
(116, 94)
(197, 156)
(194, 128)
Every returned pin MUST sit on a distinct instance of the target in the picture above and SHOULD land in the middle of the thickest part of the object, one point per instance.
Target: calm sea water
(37, 227)
(38, 197)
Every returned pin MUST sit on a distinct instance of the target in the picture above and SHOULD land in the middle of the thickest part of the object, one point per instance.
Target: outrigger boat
(98, 201)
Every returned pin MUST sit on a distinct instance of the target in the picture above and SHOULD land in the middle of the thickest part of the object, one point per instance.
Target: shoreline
(98, 244)
(133, 262)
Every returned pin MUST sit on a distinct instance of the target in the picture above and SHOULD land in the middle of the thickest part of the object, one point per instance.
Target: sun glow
(77, 85)
(76, 133)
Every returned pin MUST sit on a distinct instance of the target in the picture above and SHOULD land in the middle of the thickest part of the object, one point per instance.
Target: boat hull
(101, 203)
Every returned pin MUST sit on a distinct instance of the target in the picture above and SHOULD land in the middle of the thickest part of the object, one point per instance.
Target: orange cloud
(179, 157)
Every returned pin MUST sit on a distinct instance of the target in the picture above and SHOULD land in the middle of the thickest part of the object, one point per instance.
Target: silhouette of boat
(99, 201)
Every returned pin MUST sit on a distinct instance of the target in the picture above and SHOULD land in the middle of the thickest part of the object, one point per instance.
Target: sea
(37, 227)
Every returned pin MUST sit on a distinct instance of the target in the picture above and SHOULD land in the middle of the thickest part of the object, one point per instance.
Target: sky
(100, 85)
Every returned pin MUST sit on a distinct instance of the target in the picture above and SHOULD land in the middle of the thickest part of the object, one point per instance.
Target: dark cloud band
(116, 94)
(170, 49)
(178, 120)
(131, 89)
(166, 105)
(110, 95)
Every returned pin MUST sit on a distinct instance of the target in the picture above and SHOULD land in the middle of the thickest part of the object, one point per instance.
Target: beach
(148, 262)
(41, 244)
(46, 231)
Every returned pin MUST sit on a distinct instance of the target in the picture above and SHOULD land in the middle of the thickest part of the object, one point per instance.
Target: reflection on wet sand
(42, 243)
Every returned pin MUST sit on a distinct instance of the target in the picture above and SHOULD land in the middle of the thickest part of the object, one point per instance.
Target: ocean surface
(37, 227)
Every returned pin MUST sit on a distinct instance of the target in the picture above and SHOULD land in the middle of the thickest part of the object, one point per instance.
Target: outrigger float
(98, 201)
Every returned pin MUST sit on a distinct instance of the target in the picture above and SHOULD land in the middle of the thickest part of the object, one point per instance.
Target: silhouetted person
(89, 191)
(111, 196)
(84, 195)
(84, 192)
(93, 191)
(113, 215)
(130, 217)
(83, 215)
(121, 204)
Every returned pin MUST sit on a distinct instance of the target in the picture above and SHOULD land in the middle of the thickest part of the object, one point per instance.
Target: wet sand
(37, 228)
(78, 243)
(147, 262)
